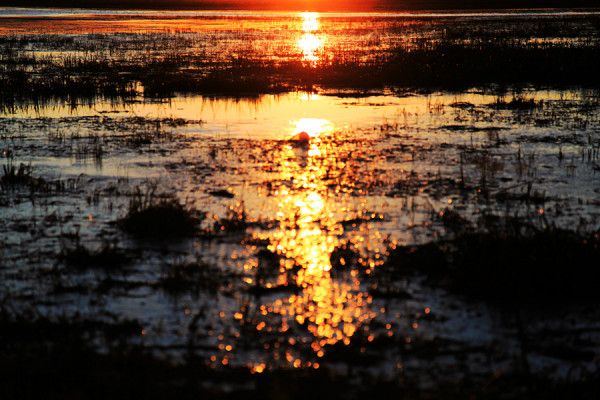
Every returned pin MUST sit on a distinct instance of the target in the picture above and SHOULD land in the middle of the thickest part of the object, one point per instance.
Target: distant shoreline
(44, 13)
(312, 5)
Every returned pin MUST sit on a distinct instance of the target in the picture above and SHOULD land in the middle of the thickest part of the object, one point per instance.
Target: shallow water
(292, 287)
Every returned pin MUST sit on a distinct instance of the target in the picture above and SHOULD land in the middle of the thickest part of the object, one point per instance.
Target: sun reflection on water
(310, 21)
(328, 303)
(314, 127)
(308, 234)
(310, 43)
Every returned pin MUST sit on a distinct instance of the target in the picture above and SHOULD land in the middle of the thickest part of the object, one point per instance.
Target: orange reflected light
(330, 309)
(309, 43)
(328, 301)
(315, 127)
(310, 21)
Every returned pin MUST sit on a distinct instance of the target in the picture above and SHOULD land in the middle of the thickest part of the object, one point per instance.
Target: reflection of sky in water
(276, 116)
(320, 300)
(264, 117)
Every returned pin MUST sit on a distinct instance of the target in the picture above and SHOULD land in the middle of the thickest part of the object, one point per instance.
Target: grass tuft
(151, 217)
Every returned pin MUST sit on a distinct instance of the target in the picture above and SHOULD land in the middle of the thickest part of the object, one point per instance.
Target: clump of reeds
(21, 176)
(13, 175)
(517, 103)
(154, 217)
(190, 277)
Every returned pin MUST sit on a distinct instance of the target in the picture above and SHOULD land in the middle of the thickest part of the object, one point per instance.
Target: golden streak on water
(310, 21)
(330, 310)
(310, 43)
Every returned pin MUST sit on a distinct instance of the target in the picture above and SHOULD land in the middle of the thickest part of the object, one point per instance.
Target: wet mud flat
(332, 242)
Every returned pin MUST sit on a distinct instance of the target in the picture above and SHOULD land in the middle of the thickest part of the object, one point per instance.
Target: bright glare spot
(310, 21)
(310, 44)
(316, 200)
(258, 368)
(313, 126)
(309, 96)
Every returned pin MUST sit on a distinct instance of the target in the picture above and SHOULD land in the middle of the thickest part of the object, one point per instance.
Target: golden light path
(310, 43)
(329, 308)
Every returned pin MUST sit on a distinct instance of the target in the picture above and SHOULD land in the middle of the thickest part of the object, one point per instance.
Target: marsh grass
(12, 175)
(443, 54)
(508, 261)
(518, 103)
(53, 357)
(22, 177)
(152, 217)
(237, 220)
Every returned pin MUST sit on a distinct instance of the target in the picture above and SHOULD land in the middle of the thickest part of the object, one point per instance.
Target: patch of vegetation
(54, 358)
(509, 262)
(222, 193)
(152, 217)
(19, 176)
(21, 327)
(517, 103)
(237, 220)
(80, 257)
(430, 56)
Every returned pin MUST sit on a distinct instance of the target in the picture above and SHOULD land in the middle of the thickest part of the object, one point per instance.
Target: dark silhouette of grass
(442, 66)
(21, 176)
(191, 278)
(80, 257)
(518, 103)
(511, 262)
(151, 217)
(12, 175)
(53, 358)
